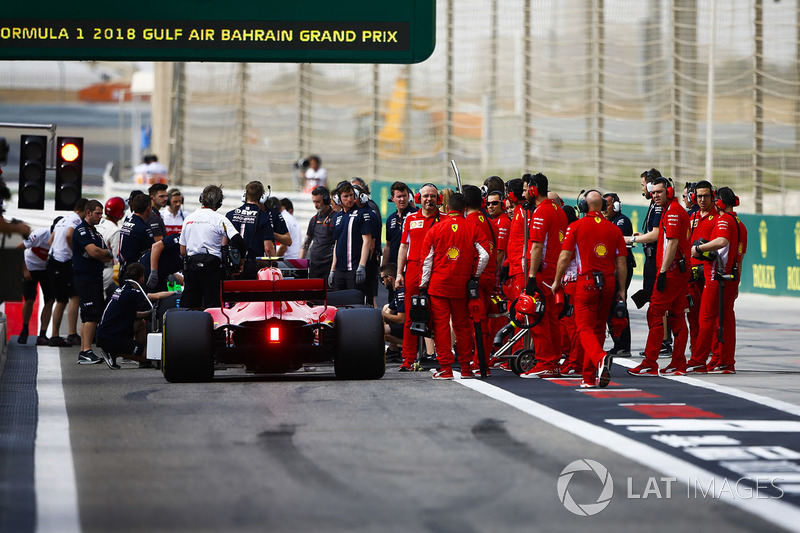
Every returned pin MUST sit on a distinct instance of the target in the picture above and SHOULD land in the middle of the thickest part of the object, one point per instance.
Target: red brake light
(274, 334)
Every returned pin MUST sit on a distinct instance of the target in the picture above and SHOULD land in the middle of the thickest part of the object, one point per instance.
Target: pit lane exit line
(54, 471)
(771, 510)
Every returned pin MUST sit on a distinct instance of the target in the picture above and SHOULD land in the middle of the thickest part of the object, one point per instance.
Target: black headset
(583, 205)
(616, 203)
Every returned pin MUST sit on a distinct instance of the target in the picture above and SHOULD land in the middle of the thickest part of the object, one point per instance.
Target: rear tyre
(360, 347)
(187, 354)
(524, 361)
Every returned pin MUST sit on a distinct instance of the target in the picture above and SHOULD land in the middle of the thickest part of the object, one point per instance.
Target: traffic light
(3, 151)
(32, 169)
(69, 172)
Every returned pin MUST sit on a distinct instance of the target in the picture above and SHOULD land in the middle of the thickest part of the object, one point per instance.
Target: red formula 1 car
(273, 325)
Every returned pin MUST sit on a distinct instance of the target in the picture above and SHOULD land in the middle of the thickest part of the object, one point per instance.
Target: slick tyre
(359, 344)
(187, 355)
(346, 297)
(524, 361)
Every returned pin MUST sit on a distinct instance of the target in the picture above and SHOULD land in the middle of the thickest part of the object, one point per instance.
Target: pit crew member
(455, 252)
(601, 252)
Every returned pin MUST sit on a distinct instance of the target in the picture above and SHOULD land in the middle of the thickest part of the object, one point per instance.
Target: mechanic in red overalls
(487, 281)
(669, 292)
(409, 262)
(516, 239)
(702, 224)
(495, 205)
(454, 252)
(548, 228)
(600, 251)
(729, 239)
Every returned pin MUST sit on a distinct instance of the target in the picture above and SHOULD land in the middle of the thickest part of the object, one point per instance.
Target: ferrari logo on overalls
(453, 253)
(454, 227)
(600, 250)
(598, 219)
(480, 217)
(560, 236)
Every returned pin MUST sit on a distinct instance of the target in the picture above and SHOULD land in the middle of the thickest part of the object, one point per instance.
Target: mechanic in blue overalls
(255, 227)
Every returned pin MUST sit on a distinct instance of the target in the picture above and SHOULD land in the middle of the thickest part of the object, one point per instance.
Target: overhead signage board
(302, 31)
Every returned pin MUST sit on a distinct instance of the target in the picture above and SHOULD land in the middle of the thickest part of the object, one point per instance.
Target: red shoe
(541, 370)
(586, 385)
(604, 371)
(570, 370)
(467, 373)
(671, 371)
(722, 369)
(477, 371)
(643, 370)
(444, 374)
(694, 366)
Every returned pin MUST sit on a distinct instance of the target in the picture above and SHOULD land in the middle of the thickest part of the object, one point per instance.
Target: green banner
(772, 261)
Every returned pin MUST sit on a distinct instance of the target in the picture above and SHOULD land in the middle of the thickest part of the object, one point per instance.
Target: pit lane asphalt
(306, 452)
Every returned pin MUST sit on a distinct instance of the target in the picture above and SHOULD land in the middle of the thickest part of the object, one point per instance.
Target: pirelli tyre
(360, 349)
(524, 361)
(187, 355)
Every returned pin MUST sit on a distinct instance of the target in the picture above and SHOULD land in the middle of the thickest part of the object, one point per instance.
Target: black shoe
(394, 356)
(666, 348)
(146, 364)
(620, 352)
(23, 336)
(58, 342)
(42, 340)
(88, 358)
(74, 339)
(110, 360)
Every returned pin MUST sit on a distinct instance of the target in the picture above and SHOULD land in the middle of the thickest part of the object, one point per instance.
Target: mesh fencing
(590, 92)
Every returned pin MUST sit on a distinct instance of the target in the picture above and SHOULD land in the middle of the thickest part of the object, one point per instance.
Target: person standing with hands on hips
(601, 252)
(672, 282)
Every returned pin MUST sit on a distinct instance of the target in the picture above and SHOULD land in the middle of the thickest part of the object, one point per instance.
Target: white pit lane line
(54, 471)
(724, 389)
(772, 510)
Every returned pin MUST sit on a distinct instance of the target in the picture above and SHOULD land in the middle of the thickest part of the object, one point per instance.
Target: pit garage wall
(771, 264)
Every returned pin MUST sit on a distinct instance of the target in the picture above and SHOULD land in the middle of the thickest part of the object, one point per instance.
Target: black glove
(472, 289)
(330, 279)
(530, 287)
(661, 282)
(423, 291)
(503, 274)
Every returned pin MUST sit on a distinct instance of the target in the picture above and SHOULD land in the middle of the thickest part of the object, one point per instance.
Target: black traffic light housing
(3, 151)
(69, 172)
(32, 170)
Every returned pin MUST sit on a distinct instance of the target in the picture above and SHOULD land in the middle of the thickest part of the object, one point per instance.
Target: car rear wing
(279, 290)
